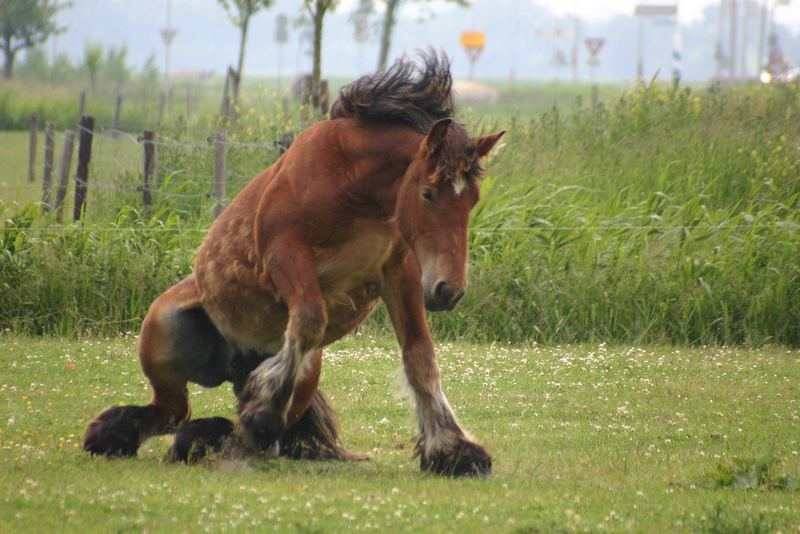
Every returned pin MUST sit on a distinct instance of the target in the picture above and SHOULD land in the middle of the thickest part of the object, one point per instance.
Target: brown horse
(371, 204)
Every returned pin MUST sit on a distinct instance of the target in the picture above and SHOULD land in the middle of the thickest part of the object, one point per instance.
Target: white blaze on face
(459, 184)
(432, 269)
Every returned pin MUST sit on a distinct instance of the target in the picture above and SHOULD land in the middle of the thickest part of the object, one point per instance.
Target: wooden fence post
(63, 173)
(595, 96)
(148, 139)
(117, 110)
(32, 147)
(225, 106)
(84, 156)
(81, 106)
(161, 103)
(47, 180)
(219, 172)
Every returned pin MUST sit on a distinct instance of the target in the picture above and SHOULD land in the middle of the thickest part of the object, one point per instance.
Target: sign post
(473, 43)
(594, 45)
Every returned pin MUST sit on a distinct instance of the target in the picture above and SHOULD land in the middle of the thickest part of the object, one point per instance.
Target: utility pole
(762, 30)
(576, 45)
(746, 9)
(733, 12)
(719, 53)
(640, 52)
(168, 35)
(677, 54)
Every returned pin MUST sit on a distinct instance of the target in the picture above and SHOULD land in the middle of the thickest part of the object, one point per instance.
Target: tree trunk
(8, 65)
(240, 65)
(386, 33)
(319, 13)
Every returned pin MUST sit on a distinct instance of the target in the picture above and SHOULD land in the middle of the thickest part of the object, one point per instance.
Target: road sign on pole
(594, 45)
(473, 43)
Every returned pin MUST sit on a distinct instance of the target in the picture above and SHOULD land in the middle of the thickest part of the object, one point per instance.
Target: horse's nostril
(440, 291)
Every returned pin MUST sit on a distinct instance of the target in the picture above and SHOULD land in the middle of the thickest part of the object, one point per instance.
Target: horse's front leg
(280, 389)
(443, 446)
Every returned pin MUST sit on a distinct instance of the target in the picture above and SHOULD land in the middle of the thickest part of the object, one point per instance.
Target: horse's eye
(427, 194)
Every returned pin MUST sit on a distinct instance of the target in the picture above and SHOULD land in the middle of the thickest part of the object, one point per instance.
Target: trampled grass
(585, 438)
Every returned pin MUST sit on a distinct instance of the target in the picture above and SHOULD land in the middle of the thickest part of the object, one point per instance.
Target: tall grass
(667, 215)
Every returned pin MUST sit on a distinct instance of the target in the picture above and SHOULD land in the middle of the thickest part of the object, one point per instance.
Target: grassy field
(586, 438)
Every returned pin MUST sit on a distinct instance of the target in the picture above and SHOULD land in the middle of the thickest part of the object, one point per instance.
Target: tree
(63, 70)
(92, 61)
(360, 19)
(387, 27)
(115, 68)
(240, 12)
(35, 66)
(317, 10)
(24, 24)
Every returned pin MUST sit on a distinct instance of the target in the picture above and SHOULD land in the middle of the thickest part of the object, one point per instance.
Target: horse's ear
(436, 136)
(484, 145)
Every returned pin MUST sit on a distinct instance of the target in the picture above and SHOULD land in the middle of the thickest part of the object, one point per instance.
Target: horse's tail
(406, 93)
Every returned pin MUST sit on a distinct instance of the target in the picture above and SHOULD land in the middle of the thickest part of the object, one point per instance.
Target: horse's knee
(307, 323)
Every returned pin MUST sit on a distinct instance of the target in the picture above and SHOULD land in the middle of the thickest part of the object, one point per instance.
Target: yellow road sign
(473, 40)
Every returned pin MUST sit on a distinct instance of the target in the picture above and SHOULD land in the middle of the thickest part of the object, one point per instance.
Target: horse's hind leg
(119, 430)
(175, 346)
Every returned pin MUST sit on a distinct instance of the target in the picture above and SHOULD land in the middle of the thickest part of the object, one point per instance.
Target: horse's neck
(380, 160)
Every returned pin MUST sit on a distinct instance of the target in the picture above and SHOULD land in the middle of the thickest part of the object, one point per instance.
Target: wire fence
(117, 167)
(116, 164)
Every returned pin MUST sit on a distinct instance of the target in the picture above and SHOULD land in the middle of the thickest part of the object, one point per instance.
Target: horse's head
(437, 194)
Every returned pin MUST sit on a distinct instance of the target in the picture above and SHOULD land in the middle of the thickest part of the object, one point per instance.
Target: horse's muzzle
(444, 298)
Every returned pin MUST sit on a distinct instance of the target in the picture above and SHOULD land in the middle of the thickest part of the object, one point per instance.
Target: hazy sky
(207, 40)
(688, 10)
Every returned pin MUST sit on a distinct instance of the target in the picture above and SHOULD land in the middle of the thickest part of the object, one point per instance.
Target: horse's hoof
(116, 432)
(464, 459)
(260, 428)
(199, 438)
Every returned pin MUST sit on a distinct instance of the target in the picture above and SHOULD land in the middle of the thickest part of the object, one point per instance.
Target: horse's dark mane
(406, 93)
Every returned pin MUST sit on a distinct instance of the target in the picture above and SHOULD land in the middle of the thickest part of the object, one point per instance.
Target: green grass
(585, 438)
